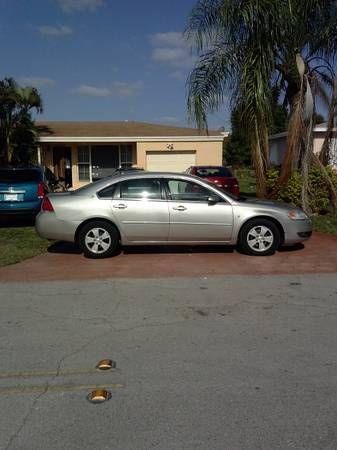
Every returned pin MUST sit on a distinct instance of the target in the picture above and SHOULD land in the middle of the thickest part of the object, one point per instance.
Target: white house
(278, 145)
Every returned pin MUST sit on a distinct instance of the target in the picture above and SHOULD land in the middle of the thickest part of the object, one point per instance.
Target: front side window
(187, 191)
(83, 160)
(141, 189)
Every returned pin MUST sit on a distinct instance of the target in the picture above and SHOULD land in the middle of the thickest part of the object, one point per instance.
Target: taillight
(236, 188)
(47, 205)
(40, 190)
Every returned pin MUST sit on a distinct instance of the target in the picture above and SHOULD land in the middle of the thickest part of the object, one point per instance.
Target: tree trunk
(305, 166)
(259, 163)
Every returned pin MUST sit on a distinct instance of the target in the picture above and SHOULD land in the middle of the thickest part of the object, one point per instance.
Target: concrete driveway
(64, 262)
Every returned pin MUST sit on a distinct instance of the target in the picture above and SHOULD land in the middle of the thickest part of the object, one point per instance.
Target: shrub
(319, 195)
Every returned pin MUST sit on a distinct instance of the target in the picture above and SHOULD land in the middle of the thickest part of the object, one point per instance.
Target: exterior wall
(47, 156)
(207, 153)
(318, 142)
(74, 167)
(278, 146)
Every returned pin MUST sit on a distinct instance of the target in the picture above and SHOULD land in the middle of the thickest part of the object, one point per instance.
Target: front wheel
(259, 237)
(98, 240)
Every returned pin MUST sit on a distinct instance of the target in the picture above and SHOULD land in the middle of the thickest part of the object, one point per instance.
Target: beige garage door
(169, 161)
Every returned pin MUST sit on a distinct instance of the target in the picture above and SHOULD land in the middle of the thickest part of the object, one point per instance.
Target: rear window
(19, 175)
(213, 172)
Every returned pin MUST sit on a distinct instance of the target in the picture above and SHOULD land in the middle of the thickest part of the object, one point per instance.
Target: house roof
(51, 131)
(319, 128)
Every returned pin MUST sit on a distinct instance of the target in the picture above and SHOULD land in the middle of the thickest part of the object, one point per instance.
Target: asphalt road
(233, 362)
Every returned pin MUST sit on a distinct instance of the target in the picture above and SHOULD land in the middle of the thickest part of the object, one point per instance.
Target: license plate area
(11, 197)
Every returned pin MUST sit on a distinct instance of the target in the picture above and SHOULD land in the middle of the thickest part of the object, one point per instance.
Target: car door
(193, 218)
(141, 210)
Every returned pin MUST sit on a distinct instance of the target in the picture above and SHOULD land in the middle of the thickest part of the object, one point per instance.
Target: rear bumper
(20, 207)
(48, 226)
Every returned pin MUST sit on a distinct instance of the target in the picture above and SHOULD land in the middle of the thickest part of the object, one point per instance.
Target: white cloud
(80, 5)
(117, 89)
(171, 49)
(174, 56)
(91, 91)
(58, 30)
(122, 89)
(170, 39)
(36, 81)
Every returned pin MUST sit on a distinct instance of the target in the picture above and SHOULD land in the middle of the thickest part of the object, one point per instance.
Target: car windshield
(19, 175)
(213, 172)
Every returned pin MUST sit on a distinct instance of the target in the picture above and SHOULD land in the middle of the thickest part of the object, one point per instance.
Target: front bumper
(297, 231)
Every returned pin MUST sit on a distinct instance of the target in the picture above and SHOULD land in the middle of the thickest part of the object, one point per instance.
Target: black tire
(99, 239)
(269, 237)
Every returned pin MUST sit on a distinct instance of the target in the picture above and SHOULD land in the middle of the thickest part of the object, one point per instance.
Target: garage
(173, 161)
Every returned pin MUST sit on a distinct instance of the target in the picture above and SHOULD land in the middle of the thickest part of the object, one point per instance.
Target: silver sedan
(138, 208)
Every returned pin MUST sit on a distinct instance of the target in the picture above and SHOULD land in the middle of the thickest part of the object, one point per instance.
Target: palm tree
(16, 105)
(249, 48)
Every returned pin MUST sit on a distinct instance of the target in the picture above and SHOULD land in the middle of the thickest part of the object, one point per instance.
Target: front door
(193, 218)
(141, 210)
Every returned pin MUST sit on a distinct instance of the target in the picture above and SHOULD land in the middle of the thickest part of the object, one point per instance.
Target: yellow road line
(50, 373)
(57, 388)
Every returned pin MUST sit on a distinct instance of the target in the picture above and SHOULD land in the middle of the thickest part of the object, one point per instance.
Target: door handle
(179, 208)
(120, 206)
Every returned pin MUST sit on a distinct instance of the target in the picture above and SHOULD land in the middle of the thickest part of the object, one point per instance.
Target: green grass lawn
(19, 243)
(246, 178)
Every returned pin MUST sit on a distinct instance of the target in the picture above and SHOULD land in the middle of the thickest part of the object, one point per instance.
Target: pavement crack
(27, 416)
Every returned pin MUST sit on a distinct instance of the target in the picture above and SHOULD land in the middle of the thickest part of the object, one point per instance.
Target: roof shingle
(116, 129)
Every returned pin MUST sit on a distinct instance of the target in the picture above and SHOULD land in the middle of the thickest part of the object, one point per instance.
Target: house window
(126, 155)
(83, 161)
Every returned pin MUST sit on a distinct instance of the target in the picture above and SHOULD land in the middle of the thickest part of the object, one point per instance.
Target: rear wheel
(98, 239)
(259, 237)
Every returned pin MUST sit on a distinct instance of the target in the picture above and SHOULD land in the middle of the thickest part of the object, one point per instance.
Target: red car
(219, 175)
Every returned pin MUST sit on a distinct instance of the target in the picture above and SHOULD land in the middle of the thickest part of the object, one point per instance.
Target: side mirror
(213, 199)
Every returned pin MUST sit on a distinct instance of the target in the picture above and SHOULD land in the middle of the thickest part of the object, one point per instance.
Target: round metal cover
(106, 364)
(99, 396)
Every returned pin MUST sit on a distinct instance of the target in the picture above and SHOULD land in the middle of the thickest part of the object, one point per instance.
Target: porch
(78, 164)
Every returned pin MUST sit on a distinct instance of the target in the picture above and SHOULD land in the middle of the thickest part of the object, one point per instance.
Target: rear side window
(107, 192)
(19, 175)
(141, 189)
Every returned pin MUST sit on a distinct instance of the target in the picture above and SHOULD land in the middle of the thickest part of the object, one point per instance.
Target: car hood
(256, 202)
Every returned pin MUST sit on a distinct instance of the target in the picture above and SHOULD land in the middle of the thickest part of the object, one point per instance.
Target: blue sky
(101, 59)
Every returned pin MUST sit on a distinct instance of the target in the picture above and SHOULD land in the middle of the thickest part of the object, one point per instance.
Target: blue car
(22, 189)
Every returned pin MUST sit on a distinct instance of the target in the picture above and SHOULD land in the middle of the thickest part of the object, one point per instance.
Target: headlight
(297, 214)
